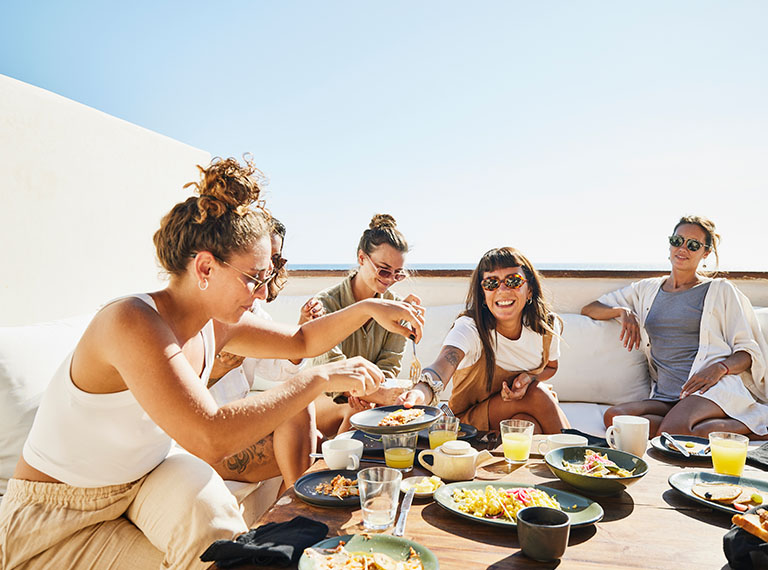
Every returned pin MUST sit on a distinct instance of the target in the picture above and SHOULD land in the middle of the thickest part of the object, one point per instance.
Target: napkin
(743, 550)
(759, 457)
(591, 439)
(273, 544)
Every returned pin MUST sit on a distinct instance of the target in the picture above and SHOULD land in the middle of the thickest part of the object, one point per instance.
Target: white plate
(411, 481)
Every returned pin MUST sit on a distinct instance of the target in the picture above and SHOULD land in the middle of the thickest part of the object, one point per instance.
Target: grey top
(673, 328)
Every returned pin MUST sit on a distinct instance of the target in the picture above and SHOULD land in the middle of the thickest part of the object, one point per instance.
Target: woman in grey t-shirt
(705, 346)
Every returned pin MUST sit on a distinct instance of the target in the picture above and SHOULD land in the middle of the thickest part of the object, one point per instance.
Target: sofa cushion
(29, 356)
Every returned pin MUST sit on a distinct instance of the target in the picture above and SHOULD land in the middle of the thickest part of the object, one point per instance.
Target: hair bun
(228, 185)
(380, 221)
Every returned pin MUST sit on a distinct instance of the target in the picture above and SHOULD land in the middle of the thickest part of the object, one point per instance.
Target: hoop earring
(529, 301)
(202, 285)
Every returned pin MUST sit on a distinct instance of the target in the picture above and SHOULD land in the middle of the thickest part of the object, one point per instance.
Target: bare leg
(539, 403)
(653, 410)
(330, 415)
(699, 416)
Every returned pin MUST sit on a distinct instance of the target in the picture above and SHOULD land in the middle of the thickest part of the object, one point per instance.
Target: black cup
(543, 532)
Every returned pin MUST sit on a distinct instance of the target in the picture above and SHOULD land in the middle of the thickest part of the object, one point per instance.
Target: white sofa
(595, 370)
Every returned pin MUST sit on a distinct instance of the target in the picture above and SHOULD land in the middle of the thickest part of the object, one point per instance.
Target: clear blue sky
(576, 131)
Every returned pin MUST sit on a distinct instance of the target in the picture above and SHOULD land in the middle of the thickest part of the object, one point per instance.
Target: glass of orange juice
(729, 452)
(516, 437)
(444, 429)
(399, 450)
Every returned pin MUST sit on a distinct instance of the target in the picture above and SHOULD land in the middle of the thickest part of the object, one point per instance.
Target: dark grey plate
(368, 420)
(661, 443)
(582, 511)
(306, 484)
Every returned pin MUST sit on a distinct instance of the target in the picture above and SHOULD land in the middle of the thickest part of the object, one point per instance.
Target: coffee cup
(629, 433)
(558, 440)
(543, 532)
(342, 453)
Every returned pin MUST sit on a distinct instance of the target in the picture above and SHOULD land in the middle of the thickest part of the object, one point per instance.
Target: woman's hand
(412, 300)
(389, 315)
(360, 405)
(355, 375)
(385, 396)
(703, 380)
(223, 363)
(630, 329)
(310, 310)
(411, 398)
(520, 384)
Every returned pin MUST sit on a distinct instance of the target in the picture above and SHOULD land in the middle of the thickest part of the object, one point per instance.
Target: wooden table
(649, 526)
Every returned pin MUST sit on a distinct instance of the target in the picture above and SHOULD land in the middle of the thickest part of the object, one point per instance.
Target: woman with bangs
(500, 350)
(705, 349)
(99, 483)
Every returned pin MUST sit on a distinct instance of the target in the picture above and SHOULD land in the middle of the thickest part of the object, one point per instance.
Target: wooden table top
(649, 526)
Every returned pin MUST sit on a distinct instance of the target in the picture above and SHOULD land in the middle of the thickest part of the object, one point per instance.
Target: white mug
(558, 440)
(342, 453)
(630, 434)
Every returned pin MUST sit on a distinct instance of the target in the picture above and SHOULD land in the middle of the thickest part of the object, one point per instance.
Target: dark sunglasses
(690, 243)
(278, 262)
(514, 281)
(385, 273)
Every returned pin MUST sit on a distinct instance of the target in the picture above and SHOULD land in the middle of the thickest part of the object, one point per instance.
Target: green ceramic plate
(596, 486)
(397, 548)
(685, 480)
(581, 510)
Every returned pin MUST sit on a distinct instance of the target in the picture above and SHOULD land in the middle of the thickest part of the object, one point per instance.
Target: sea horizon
(564, 266)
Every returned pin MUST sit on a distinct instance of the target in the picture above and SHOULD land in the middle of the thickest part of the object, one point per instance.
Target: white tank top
(94, 440)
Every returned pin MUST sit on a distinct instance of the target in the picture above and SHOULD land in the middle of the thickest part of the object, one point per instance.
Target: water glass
(399, 450)
(379, 490)
(444, 429)
(729, 452)
(516, 437)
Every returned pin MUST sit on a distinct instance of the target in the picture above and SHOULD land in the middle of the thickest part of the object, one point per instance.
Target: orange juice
(399, 457)
(728, 456)
(517, 446)
(439, 436)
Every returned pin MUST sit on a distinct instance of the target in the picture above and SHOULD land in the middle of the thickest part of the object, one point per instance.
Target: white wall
(82, 194)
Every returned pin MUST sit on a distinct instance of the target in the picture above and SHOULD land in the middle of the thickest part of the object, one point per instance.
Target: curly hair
(537, 315)
(226, 216)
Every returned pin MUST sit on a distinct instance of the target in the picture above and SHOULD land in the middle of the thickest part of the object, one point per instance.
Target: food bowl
(589, 484)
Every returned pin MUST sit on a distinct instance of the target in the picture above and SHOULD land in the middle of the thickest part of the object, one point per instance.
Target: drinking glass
(379, 490)
(444, 429)
(399, 450)
(516, 437)
(729, 452)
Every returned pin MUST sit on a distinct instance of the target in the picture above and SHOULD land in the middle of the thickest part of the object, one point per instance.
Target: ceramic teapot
(455, 460)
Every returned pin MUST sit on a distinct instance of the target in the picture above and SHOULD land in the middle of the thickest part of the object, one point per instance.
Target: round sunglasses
(514, 281)
(692, 244)
(384, 273)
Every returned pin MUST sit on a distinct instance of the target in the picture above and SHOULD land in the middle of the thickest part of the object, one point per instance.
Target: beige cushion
(29, 355)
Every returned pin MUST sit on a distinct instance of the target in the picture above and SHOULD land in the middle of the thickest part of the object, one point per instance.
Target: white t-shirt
(521, 354)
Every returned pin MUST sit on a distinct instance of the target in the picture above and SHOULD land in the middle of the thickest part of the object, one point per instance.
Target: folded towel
(591, 439)
(759, 457)
(273, 544)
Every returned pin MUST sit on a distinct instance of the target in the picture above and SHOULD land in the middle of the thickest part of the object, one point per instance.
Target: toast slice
(754, 523)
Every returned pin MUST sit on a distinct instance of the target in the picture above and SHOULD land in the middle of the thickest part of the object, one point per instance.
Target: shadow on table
(520, 560)
(494, 535)
(695, 510)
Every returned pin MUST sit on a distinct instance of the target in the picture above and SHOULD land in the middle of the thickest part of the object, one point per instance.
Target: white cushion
(29, 356)
(594, 365)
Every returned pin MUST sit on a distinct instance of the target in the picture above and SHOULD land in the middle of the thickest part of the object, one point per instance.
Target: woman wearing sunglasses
(99, 483)
(500, 349)
(705, 348)
(381, 255)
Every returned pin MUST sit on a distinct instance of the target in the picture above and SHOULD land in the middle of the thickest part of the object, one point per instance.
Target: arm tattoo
(258, 453)
(452, 355)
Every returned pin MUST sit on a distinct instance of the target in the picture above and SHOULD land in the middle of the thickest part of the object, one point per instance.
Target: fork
(415, 372)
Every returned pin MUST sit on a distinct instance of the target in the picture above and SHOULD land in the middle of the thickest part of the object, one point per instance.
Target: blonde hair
(226, 216)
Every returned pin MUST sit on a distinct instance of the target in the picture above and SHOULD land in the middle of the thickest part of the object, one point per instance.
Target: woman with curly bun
(96, 485)
(381, 255)
(500, 350)
(705, 349)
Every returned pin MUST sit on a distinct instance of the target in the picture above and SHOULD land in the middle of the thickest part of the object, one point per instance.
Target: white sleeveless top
(94, 440)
